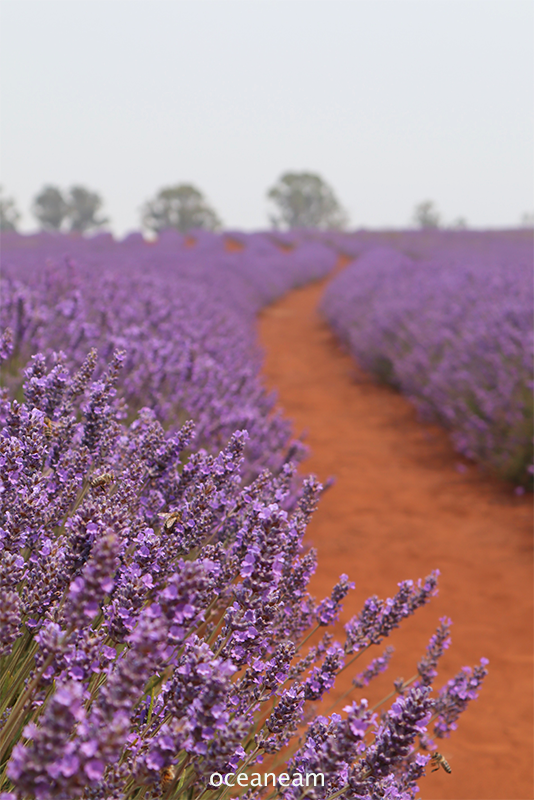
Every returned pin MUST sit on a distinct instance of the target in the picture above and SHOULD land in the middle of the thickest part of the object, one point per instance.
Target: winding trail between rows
(404, 504)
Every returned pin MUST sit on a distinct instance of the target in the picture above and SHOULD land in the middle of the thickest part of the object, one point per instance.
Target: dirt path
(399, 509)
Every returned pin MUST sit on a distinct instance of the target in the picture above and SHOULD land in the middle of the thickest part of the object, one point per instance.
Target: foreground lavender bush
(451, 326)
(154, 610)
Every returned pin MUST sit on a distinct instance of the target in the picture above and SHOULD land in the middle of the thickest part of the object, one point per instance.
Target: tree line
(298, 199)
(301, 200)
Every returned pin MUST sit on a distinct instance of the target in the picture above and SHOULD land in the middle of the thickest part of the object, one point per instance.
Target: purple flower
(377, 666)
(328, 610)
(283, 721)
(87, 591)
(47, 766)
(455, 696)
(379, 617)
(322, 678)
(6, 344)
(94, 770)
(406, 719)
(439, 642)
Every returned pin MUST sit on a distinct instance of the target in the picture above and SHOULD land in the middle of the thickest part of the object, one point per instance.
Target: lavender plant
(183, 314)
(447, 318)
(155, 616)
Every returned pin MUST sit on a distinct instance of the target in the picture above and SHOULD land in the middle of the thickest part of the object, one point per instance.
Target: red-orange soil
(400, 508)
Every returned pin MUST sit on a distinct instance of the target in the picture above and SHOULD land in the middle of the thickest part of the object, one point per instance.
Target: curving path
(404, 504)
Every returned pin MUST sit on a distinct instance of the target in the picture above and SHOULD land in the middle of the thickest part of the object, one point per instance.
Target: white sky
(391, 101)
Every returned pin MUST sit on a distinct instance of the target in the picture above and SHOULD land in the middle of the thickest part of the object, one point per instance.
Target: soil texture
(403, 504)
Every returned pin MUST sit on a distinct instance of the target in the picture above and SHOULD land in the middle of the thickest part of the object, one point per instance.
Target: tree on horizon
(182, 207)
(9, 213)
(76, 212)
(305, 200)
(426, 215)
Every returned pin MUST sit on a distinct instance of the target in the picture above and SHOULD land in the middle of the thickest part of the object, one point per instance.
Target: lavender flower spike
(439, 642)
(379, 617)
(377, 666)
(328, 610)
(406, 719)
(455, 696)
(88, 589)
(48, 766)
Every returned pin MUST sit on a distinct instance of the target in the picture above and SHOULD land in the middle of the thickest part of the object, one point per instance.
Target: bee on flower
(102, 480)
(49, 427)
(170, 519)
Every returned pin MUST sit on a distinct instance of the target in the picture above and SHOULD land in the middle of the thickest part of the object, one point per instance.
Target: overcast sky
(390, 101)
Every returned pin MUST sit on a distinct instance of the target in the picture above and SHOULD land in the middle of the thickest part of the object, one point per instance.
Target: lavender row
(182, 313)
(154, 607)
(448, 320)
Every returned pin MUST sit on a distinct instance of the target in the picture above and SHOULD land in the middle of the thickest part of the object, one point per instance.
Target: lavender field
(446, 317)
(155, 616)
(179, 322)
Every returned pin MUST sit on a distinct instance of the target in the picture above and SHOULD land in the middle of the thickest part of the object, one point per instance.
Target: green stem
(336, 794)
(13, 658)
(7, 669)
(23, 673)
(339, 699)
(314, 630)
(18, 709)
(394, 692)
(223, 645)
(349, 663)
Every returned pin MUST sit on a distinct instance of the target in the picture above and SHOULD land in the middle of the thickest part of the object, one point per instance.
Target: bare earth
(400, 508)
